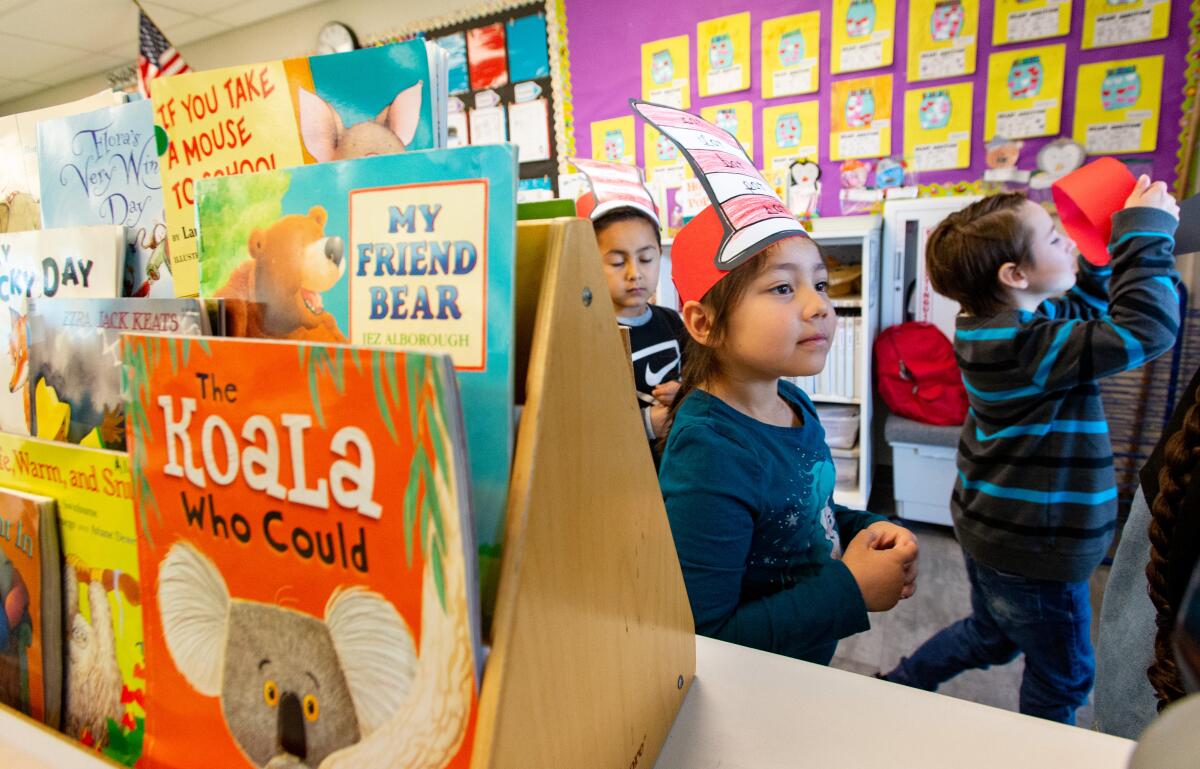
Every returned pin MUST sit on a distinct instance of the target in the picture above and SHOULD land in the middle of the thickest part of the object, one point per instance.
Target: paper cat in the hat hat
(614, 186)
(745, 216)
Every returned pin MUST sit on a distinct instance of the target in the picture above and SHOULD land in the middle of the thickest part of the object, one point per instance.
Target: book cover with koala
(279, 114)
(103, 687)
(101, 167)
(30, 606)
(341, 252)
(304, 541)
(75, 362)
(70, 262)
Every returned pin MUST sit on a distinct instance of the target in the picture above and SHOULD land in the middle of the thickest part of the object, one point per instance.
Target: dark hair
(965, 251)
(1180, 454)
(623, 215)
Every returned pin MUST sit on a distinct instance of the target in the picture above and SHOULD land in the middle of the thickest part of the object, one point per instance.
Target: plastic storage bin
(841, 425)
(845, 463)
(924, 478)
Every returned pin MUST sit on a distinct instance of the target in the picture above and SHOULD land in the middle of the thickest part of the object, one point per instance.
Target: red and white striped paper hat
(614, 186)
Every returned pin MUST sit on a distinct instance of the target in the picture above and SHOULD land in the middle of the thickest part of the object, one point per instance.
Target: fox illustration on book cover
(304, 524)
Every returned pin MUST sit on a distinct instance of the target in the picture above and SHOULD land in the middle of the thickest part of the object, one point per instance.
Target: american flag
(156, 56)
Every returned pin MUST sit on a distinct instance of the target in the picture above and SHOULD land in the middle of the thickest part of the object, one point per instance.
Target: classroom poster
(736, 118)
(528, 51)
(664, 163)
(457, 79)
(1025, 90)
(666, 72)
(615, 140)
(1016, 21)
(942, 36)
(790, 131)
(863, 34)
(1117, 22)
(791, 53)
(861, 118)
(937, 126)
(1116, 105)
(487, 59)
(723, 54)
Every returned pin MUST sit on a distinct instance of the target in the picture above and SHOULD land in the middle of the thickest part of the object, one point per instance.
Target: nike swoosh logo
(655, 377)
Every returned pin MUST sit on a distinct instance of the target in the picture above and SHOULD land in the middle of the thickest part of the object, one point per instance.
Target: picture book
(413, 251)
(71, 262)
(103, 687)
(279, 114)
(30, 606)
(304, 543)
(101, 167)
(19, 183)
(75, 362)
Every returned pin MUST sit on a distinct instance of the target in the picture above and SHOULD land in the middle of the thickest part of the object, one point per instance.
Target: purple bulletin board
(604, 39)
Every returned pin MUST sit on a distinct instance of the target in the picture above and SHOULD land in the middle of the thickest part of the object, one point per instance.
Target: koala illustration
(791, 48)
(662, 67)
(93, 685)
(860, 18)
(390, 132)
(720, 51)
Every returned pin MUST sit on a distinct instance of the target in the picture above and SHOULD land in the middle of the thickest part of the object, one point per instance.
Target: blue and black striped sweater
(1036, 493)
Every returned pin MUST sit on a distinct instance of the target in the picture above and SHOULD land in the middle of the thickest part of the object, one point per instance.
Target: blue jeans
(1049, 621)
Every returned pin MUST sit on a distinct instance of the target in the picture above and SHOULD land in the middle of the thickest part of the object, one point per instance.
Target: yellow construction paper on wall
(860, 117)
(615, 140)
(736, 118)
(723, 54)
(863, 34)
(666, 72)
(791, 55)
(937, 126)
(663, 162)
(1116, 105)
(1025, 89)
(1016, 21)
(942, 36)
(790, 131)
(1107, 23)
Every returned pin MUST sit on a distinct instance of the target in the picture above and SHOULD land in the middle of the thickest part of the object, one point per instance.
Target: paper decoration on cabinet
(790, 132)
(942, 38)
(1025, 90)
(457, 134)
(614, 140)
(937, 126)
(855, 196)
(1119, 22)
(723, 54)
(487, 125)
(457, 78)
(529, 129)
(1117, 105)
(1001, 158)
(486, 56)
(791, 51)
(736, 118)
(1016, 21)
(1054, 161)
(804, 187)
(528, 54)
(663, 162)
(666, 72)
(863, 34)
(861, 118)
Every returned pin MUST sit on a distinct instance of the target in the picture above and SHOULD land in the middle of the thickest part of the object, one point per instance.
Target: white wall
(289, 34)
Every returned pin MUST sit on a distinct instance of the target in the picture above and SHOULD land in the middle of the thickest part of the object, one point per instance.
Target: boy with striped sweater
(1035, 503)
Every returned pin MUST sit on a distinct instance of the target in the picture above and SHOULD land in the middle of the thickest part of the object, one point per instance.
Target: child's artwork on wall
(790, 132)
(791, 52)
(736, 118)
(457, 78)
(528, 54)
(723, 54)
(486, 56)
(1025, 89)
(1117, 104)
(863, 34)
(664, 164)
(942, 37)
(1016, 21)
(1117, 22)
(937, 126)
(666, 72)
(861, 118)
(614, 140)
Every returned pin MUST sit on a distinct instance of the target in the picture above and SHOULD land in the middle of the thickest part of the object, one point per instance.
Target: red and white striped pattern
(156, 56)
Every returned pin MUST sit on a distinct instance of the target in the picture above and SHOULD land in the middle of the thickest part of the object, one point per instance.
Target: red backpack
(917, 375)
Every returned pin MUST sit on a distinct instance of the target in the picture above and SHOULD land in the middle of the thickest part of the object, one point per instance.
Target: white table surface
(747, 709)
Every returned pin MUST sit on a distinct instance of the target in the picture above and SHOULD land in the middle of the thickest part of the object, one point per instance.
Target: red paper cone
(1086, 200)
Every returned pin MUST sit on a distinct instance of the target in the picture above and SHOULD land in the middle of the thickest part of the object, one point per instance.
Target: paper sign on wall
(791, 52)
(736, 118)
(1024, 96)
(937, 126)
(529, 129)
(723, 54)
(863, 34)
(666, 72)
(1116, 105)
(942, 38)
(614, 140)
(790, 131)
(1106, 22)
(1016, 21)
(861, 118)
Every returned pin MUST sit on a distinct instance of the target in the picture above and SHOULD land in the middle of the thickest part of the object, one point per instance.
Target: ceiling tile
(165, 17)
(21, 59)
(89, 64)
(15, 90)
(197, 29)
(208, 7)
(106, 23)
(243, 14)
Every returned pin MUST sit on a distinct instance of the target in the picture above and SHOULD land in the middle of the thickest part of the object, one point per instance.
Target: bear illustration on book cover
(305, 540)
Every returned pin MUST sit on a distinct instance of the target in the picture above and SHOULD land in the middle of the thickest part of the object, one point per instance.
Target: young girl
(769, 560)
